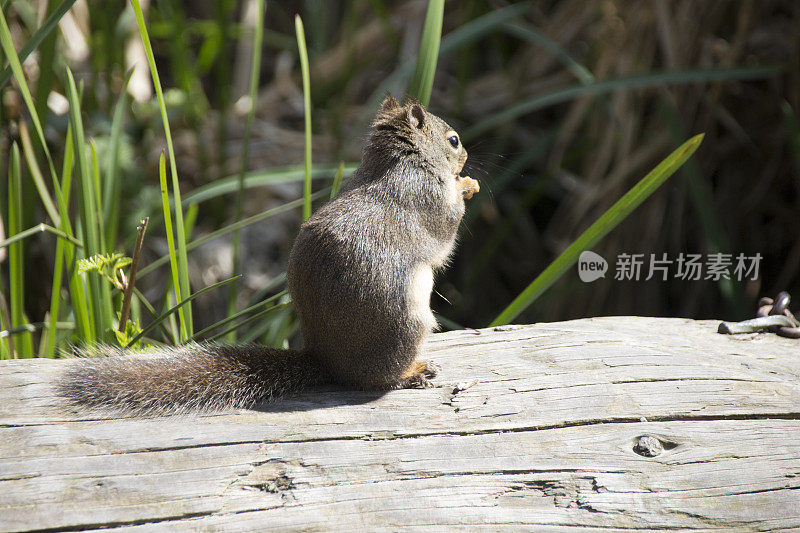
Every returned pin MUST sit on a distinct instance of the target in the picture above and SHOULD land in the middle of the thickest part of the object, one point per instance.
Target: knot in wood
(648, 446)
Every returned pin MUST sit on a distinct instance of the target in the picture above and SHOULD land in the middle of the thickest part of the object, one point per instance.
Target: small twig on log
(126, 299)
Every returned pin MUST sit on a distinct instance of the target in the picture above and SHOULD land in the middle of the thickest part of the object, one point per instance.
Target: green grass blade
(428, 55)
(456, 39)
(48, 347)
(172, 325)
(170, 339)
(98, 202)
(524, 31)
(88, 212)
(49, 24)
(142, 300)
(16, 259)
(36, 174)
(301, 47)
(6, 345)
(260, 178)
(255, 74)
(273, 285)
(337, 180)
(80, 306)
(97, 208)
(112, 188)
(234, 316)
(638, 81)
(173, 261)
(251, 319)
(37, 38)
(46, 61)
(33, 327)
(228, 229)
(183, 263)
(191, 218)
(39, 228)
(276, 331)
(610, 219)
(177, 307)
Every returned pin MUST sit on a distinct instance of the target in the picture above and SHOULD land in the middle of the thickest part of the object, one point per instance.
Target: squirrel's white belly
(418, 295)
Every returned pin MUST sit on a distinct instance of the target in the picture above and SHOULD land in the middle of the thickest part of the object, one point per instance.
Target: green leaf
(337, 180)
(131, 337)
(462, 36)
(16, 255)
(100, 301)
(234, 316)
(610, 219)
(102, 262)
(261, 178)
(39, 228)
(428, 55)
(107, 265)
(173, 261)
(65, 252)
(301, 47)
(182, 287)
(112, 187)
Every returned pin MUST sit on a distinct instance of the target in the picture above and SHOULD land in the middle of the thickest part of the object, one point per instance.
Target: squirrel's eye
(453, 140)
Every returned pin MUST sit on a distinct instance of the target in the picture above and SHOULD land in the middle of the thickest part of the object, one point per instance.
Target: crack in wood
(119, 523)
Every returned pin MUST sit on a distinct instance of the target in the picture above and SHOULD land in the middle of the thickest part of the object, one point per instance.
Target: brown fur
(360, 274)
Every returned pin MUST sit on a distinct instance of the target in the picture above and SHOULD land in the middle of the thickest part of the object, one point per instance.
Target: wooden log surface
(549, 435)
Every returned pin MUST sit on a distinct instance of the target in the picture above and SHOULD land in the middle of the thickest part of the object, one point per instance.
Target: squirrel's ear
(389, 103)
(416, 116)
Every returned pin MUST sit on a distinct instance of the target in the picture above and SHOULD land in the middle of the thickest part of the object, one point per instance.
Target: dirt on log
(618, 423)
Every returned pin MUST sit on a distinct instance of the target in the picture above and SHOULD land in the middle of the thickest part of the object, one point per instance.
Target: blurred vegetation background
(562, 105)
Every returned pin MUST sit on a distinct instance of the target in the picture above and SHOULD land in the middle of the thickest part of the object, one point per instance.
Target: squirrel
(360, 275)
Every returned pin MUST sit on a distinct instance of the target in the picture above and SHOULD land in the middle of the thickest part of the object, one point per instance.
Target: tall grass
(428, 55)
(303, 52)
(122, 158)
(23, 343)
(177, 255)
(92, 301)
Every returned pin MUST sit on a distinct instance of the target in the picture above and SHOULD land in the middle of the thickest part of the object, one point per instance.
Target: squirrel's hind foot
(418, 376)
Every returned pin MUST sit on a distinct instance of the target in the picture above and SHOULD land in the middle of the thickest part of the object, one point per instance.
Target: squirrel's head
(410, 131)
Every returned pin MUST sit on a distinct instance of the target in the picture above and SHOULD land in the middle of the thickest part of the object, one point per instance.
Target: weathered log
(619, 422)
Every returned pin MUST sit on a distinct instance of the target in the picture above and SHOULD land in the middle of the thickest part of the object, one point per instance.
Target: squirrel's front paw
(419, 374)
(467, 186)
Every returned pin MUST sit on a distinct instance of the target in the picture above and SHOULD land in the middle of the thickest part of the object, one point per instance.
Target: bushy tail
(188, 378)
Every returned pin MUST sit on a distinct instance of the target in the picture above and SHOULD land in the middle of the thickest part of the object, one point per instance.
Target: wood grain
(548, 434)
